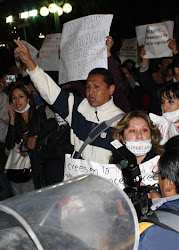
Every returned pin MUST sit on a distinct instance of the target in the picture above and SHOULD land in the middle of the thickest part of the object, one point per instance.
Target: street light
(67, 8)
(9, 19)
(44, 11)
(57, 11)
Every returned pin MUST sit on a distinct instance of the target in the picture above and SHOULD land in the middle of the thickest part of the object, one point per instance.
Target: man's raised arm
(44, 84)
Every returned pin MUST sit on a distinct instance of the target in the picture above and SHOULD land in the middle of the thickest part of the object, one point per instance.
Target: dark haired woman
(27, 126)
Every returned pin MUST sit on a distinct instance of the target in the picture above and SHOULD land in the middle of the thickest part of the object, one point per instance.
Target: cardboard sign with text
(154, 37)
(111, 172)
(49, 52)
(128, 50)
(83, 47)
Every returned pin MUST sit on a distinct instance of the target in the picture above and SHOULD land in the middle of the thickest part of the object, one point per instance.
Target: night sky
(127, 14)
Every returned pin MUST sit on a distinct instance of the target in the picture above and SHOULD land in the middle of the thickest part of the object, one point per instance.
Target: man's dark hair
(108, 78)
(169, 161)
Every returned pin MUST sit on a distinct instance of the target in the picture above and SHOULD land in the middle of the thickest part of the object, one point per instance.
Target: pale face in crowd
(138, 130)
(97, 91)
(19, 99)
(169, 105)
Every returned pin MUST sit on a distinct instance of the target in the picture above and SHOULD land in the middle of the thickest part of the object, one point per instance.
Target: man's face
(97, 91)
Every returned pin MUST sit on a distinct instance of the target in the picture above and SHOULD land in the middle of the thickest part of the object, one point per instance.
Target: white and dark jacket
(80, 115)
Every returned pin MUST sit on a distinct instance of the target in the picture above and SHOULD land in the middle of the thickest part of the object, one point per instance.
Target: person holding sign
(140, 136)
(83, 114)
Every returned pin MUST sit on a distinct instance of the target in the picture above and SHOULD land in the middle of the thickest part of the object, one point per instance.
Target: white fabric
(139, 148)
(24, 110)
(16, 160)
(172, 116)
(167, 128)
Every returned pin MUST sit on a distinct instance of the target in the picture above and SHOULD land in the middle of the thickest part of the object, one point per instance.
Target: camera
(10, 78)
(132, 179)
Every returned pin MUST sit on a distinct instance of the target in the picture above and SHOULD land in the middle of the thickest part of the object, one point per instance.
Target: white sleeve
(45, 85)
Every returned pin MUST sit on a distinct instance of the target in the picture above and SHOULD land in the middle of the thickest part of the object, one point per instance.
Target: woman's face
(169, 105)
(138, 130)
(19, 99)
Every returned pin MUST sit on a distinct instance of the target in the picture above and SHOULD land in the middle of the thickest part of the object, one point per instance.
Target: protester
(82, 114)
(119, 97)
(140, 136)
(151, 80)
(27, 129)
(160, 235)
(57, 144)
(4, 117)
(169, 96)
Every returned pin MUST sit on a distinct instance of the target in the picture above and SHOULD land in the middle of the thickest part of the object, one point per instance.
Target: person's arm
(120, 99)
(44, 84)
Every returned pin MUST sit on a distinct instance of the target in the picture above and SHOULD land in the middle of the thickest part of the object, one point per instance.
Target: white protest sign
(167, 128)
(149, 171)
(141, 30)
(75, 167)
(128, 50)
(49, 52)
(156, 44)
(83, 47)
(111, 172)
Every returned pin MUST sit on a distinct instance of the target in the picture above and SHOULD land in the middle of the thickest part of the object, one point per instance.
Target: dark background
(127, 14)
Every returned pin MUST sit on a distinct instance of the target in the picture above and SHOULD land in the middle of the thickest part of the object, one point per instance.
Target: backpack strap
(166, 218)
(97, 131)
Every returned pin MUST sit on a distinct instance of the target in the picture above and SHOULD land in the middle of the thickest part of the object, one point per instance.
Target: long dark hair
(27, 92)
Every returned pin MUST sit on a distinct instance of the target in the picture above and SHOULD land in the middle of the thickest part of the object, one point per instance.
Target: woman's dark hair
(108, 78)
(169, 161)
(29, 95)
(170, 90)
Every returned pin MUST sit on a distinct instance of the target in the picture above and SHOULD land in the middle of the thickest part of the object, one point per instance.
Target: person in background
(169, 96)
(27, 128)
(153, 236)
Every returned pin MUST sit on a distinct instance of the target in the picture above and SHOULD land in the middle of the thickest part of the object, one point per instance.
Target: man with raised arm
(82, 114)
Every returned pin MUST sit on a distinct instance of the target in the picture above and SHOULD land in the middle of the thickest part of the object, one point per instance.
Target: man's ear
(112, 89)
(170, 187)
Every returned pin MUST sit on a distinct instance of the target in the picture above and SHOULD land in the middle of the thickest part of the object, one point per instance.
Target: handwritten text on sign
(83, 47)
(111, 172)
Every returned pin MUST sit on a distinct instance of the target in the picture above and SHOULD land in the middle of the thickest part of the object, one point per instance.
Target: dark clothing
(40, 126)
(156, 237)
(152, 90)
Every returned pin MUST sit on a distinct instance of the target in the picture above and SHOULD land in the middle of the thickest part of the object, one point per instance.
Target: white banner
(83, 47)
(128, 50)
(156, 44)
(111, 172)
(49, 52)
(141, 30)
(167, 128)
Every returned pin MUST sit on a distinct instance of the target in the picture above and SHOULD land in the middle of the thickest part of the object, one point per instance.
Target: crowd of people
(41, 121)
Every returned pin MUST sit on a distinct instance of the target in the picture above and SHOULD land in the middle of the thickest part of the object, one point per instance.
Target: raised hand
(109, 44)
(24, 54)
